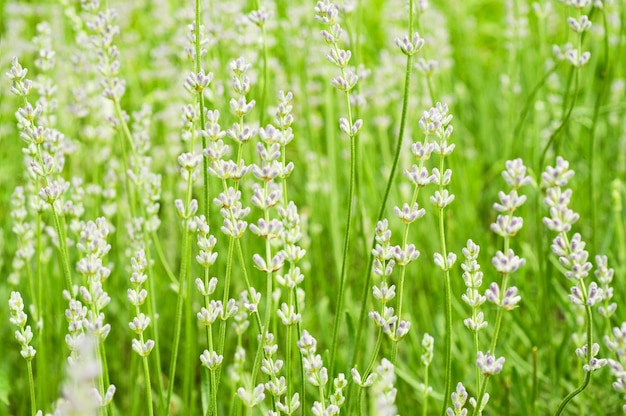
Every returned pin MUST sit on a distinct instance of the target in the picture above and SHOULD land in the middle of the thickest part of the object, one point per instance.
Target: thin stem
(587, 378)
(151, 301)
(205, 159)
(605, 79)
(265, 78)
(383, 205)
(448, 336)
(346, 240)
(425, 408)
(222, 329)
(157, 245)
(31, 388)
(481, 395)
(179, 318)
(65, 258)
(448, 301)
(368, 369)
(499, 314)
(268, 297)
(146, 374)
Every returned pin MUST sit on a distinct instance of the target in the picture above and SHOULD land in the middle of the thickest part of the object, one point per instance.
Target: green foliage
(510, 98)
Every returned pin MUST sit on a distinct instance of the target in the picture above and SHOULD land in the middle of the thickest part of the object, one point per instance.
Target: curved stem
(383, 205)
(529, 101)
(368, 370)
(587, 378)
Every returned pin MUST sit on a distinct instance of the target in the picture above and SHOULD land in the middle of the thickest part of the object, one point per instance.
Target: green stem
(179, 318)
(151, 301)
(383, 205)
(346, 240)
(368, 369)
(268, 297)
(146, 374)
(605, 80)
(157, 245)
(265, 78)
(31, 388)
(65, 258)
(448, 316)
(222, 329)
(587, 377)
(503, 289)
(425, 408)
(205, 159)
(481, 395)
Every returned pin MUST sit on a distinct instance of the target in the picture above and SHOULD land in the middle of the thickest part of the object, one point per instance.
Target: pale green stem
(31, 387)
(381, 211)
(405, 238)
(346, 241)
(205, 159)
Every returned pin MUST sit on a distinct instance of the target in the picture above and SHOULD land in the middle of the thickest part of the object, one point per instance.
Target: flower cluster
(507, 226)
(384, 262)
(103, 28)
(435, 123)
(94, 247)
(137, 295)
(459, 398)
(327, 13)
(23, 230)
(571, 251)
(473, 278)
(616, 342)
(384, 391)
(317, 375)
(24, 334)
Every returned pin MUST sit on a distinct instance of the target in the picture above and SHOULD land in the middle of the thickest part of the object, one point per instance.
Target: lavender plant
(183, 222)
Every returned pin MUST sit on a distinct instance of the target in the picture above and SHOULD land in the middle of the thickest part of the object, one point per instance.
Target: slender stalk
(425, 408)
(157, 245)
(222, 330)
(348, 229)
(146, 374)
(564, 122)
(605, 80)
(155, 329)
(269, 278)
(481, 395)
(368, 369)
(179, 312)
(499, 314)
(205, 159)
(65, 258)
(405, 237)
(383, 205)
(263, 98)
(587, 377)
(31, 387)
(448, 317)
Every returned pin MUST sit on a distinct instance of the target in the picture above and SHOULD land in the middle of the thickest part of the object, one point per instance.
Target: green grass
(509, 99)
